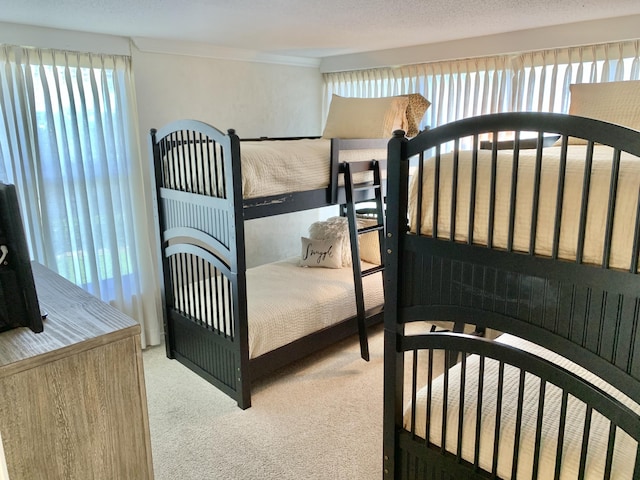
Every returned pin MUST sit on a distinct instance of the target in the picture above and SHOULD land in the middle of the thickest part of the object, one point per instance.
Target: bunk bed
(230, 324)
(526, 225)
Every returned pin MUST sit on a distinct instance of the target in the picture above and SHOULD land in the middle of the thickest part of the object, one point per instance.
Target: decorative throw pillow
(614, 102)
(351, 117)
(416, 109)
(321, 253)
(334, 227)
(338, 228)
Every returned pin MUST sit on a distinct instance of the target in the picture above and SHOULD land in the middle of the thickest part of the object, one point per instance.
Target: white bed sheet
(286, 302)
(624, 219)
(625, 450)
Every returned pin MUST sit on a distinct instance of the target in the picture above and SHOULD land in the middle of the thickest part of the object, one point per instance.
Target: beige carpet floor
(320, 418)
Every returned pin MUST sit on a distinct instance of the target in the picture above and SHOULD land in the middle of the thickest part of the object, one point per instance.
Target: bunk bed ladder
(367, 192)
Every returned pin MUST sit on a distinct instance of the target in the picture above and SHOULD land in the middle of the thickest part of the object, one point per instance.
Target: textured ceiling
(308, 28)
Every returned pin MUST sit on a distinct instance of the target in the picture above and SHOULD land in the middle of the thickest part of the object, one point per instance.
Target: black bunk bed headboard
(591, 313)
(201, 244)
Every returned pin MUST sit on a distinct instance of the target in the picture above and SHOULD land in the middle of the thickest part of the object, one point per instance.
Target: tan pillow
(369, 242)
(416, 109)
(365, 117)
(321, 253)
(614, 102)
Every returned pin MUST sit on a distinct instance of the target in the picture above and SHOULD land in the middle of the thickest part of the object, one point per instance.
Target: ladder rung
(372, 228)
(360, 166)
(367, 211)
(364, 186)
(372, 270)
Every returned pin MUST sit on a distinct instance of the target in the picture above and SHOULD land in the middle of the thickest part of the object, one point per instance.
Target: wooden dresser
(72, 398)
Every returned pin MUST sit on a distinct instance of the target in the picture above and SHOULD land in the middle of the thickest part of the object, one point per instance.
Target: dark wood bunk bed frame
(201, 214)
(587, 313)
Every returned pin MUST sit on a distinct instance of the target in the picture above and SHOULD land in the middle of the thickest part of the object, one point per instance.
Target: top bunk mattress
(598, 201)
(275, 167)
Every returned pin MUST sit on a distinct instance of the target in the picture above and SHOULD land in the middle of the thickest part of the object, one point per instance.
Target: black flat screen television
(19, 305)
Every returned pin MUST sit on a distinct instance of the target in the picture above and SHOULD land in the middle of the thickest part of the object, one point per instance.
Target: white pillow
(365, 117)
(338, 228)
(334, 227)
(613, 102)
(321, 253)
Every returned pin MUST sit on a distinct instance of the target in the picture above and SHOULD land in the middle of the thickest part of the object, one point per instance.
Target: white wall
(256, 99)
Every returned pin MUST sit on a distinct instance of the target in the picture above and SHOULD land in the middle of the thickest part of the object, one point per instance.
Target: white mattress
(625, 450)
(275, 167)
(286, 302)
(624, 219)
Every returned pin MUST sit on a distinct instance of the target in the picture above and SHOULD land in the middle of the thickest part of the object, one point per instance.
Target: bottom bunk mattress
(503, 459)
(285, 301)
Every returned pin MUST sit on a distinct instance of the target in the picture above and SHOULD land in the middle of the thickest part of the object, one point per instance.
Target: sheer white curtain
(531, 81)
(456, 89)
(69, 142)
(543, 78)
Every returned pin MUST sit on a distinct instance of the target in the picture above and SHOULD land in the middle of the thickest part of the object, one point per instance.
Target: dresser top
(76, 321)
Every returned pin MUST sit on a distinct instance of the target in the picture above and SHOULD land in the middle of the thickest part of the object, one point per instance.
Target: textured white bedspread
(286, 302)
(281, 166)
(625, 450)
(624, 220)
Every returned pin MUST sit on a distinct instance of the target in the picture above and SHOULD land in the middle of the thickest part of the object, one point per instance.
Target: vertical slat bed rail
(561, 433)
(479, 410)
(492, 191)
(462, 404)
(512, 195)
(454, 192)
(472, 193)
(536, 199)
(586, 188)
(538, 440)
(613, 188)
(436, 191)
(559, 203)
(635, 254)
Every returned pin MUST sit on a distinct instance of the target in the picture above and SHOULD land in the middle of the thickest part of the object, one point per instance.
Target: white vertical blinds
(69, 142)
(531, 81)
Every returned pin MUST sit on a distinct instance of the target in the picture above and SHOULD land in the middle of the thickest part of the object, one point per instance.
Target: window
(69, 142)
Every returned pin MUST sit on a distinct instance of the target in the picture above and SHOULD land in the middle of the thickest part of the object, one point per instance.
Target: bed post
(334, 168)
(238, 267)
(156, 172)
(397, 175)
